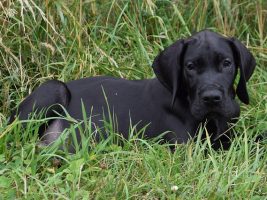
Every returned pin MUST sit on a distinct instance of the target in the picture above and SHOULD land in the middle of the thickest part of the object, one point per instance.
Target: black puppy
(194, 84)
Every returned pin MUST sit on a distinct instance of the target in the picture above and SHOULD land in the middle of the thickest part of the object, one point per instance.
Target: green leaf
(5, 182)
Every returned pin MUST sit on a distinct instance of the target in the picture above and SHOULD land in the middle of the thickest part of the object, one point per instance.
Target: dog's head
(202, 68)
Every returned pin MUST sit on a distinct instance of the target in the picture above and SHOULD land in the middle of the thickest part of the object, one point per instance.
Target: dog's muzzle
(211, 95)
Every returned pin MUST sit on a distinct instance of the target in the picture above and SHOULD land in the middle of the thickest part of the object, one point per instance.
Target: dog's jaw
(229, 110)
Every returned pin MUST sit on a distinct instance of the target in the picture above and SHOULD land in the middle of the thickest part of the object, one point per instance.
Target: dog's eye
(190, 66)
(227, 63)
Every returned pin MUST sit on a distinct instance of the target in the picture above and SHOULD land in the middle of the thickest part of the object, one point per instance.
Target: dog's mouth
(213, 115)
(201, 113)
(227, 108)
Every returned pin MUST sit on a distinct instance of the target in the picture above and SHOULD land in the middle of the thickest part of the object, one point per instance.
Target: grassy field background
(66, 40)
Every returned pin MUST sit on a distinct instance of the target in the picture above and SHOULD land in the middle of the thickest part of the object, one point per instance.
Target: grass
(66, 40)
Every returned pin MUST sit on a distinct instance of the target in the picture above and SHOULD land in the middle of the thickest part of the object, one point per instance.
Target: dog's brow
(221, 55)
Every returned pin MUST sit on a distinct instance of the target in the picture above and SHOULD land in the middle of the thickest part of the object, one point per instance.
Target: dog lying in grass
(194, 84)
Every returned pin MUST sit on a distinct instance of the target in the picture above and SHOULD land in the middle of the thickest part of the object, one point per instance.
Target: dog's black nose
(211, 97)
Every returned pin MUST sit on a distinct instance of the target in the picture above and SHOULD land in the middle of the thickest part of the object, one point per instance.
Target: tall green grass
(66, 40)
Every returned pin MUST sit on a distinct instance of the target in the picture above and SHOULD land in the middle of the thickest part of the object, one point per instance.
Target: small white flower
(11, 12)
(174, 188)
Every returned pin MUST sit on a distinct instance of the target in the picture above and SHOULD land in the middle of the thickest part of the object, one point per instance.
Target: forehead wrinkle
(200, 48)
(207, 48)
(205, 54)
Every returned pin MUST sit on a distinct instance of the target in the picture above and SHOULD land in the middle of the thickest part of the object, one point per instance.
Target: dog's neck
(157, 89)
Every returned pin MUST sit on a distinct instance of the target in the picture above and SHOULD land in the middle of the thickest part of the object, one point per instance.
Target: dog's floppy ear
(168, 67)
(246, 62)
